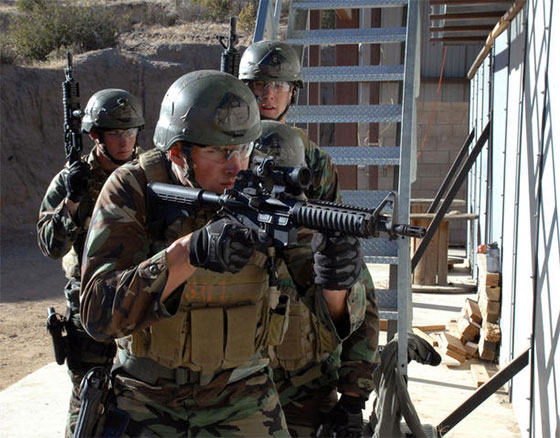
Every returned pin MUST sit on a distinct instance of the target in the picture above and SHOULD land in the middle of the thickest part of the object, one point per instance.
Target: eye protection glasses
(276, 86)
(117, 134)
(222, 154)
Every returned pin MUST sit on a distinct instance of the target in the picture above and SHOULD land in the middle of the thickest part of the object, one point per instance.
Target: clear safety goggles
(222, 154)
(276, 86)
(117, 134)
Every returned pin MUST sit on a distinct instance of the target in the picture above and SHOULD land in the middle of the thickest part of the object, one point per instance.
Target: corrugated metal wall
(518, 201)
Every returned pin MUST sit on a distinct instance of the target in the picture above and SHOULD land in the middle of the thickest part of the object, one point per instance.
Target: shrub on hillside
(49, 25)
(248, 17)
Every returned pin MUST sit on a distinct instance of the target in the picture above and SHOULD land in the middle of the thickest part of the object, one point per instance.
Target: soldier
(188, 298)
(112, 120)
(308, 368)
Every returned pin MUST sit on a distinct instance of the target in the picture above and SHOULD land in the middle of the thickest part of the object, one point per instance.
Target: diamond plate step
(364, 198)
(348, 36)
(388, 315)
(367, 73)
(344, 4)
(365, 155)
(379, 247)
(386, 299)
(344, 114)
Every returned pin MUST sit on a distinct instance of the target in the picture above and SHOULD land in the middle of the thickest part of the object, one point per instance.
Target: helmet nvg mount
(271, 61)
(207, 108)
(112, 108)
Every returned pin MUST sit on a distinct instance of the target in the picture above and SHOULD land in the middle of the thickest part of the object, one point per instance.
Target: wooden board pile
(476, 332)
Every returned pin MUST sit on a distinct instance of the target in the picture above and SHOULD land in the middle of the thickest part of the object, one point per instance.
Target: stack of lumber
(489, 294)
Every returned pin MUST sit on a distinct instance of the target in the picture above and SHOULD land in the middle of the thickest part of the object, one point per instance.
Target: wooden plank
(430, 328)
(490, 310)
(431, 289)
(480, 374)
(491, 332)
(425, 336)
(383, 324)
(451, 342)
(468, 329)
(486, 349)
(492, 293)
(443, 244)
(473, 310)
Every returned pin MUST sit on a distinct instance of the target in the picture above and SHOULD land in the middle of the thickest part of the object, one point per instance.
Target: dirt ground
(29, 283)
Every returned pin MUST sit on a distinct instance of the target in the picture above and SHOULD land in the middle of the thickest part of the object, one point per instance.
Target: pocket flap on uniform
(207, 337)
(241, 332)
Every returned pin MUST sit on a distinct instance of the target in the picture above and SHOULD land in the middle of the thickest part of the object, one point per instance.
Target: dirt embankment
(32, 152)
(31, 118)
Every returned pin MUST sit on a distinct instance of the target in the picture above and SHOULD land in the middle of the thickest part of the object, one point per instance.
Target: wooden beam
(467, 15)
(466, 28)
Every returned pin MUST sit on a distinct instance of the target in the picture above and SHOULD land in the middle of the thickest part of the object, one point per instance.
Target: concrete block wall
(447, 132)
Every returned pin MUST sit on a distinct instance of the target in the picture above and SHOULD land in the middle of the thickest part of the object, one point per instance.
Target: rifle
(278, 211)
(230, 56)
(72, 114)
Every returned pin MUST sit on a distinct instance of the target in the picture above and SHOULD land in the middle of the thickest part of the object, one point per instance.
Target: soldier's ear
(176, 155)
(94, 135)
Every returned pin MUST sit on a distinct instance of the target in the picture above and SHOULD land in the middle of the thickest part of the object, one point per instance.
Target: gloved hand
(76, 180)
(345, 419)
(337, 261)
(223, 245)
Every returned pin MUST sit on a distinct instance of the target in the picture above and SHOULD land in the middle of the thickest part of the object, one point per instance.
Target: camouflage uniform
(172, 377)
(61, 235)
(310, 365)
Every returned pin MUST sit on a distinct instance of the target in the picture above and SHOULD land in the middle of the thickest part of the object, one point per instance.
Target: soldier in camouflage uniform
(309, 367)
(112, 120)
(188, 298)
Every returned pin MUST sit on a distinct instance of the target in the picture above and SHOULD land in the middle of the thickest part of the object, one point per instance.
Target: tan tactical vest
(223, 320)
(305, 341)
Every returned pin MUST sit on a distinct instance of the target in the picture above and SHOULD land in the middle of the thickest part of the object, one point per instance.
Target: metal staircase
(395, 302)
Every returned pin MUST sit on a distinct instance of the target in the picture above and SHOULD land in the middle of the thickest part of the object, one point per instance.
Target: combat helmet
(281, 142)
(271, 61)
(112, 108)
(207, 108)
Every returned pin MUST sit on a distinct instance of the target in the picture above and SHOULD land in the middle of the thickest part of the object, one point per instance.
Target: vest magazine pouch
(207, 338)
(291, 347)
(166, 340)
(241, 332)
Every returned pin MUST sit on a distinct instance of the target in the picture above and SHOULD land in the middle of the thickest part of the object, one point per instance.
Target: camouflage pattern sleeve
(122, 280)
(56, 229)
(359, 352)
(325, 176)
(299, 261)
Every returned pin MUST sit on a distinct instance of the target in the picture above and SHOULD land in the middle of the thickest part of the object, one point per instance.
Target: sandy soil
(29, 283)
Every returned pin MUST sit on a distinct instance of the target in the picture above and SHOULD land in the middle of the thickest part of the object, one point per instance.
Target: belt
(150, 372)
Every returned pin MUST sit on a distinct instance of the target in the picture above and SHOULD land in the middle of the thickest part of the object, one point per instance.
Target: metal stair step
(344, 114)
(389, 314)
(365, 155)
(386, 299)
(346, 4)
(379, 248)
(367, 73)
(348, 36)
(364, 198)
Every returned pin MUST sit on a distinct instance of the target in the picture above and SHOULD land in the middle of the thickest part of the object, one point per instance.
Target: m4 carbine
(278, 208)
(72, 114)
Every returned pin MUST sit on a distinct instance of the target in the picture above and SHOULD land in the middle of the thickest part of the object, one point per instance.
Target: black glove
(337, 261)
(345, 419)
(224, 245)
(76, 180)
